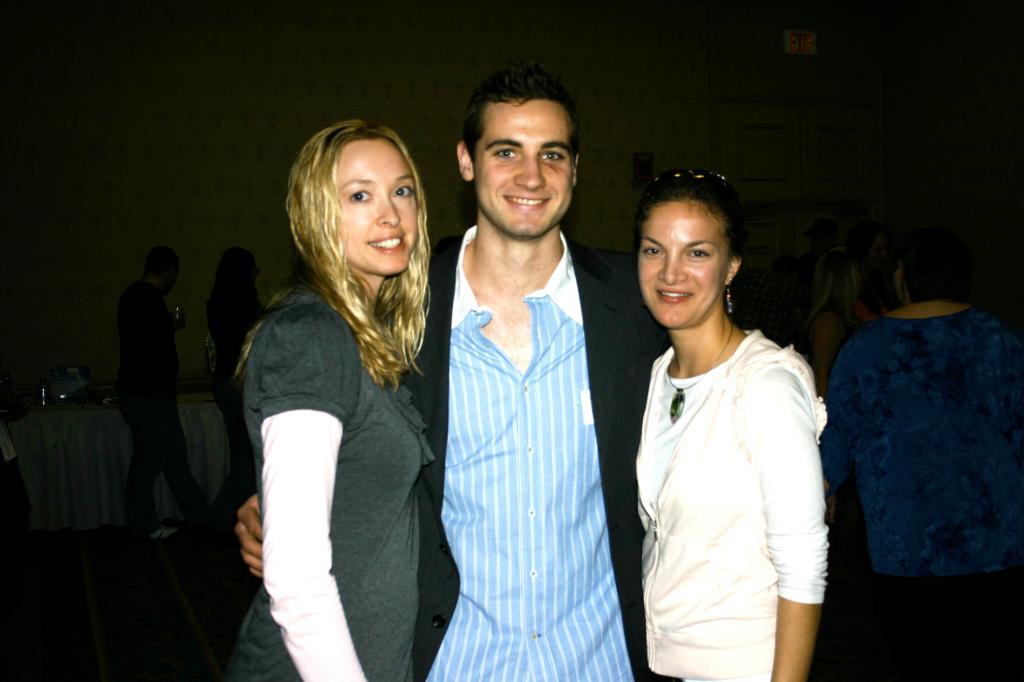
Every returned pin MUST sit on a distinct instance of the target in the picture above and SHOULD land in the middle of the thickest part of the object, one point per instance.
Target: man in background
(147, 375)
(822, 235)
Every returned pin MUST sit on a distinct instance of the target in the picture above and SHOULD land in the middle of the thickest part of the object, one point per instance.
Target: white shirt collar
(561, 286)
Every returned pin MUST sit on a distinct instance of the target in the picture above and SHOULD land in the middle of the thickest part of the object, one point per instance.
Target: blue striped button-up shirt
(523, 508)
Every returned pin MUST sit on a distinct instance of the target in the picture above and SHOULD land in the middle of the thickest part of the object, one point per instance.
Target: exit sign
(799, 42)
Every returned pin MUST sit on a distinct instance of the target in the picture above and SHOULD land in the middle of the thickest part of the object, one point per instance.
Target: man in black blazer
(622, 343)
(520, 150)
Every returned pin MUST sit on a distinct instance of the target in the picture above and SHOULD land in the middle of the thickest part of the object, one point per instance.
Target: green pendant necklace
(675, 408)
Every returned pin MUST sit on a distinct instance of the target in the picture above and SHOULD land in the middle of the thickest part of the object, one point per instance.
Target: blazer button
(444, 549)
(439, 621)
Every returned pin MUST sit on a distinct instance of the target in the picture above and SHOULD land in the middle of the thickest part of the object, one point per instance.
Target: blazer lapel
(430, 389)
(602, 321)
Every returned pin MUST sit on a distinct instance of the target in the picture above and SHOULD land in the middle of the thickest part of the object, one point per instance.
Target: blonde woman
(832, 316)
(831, 321)
(728, 470)
(338, 445)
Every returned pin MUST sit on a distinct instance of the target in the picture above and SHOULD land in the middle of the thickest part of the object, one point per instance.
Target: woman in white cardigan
(729, 473)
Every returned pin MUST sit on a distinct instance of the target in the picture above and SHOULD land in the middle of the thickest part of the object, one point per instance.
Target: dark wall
(954, 135)
(133, 124)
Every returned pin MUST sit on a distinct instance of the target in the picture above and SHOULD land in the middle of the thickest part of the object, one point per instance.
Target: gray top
(304, 357)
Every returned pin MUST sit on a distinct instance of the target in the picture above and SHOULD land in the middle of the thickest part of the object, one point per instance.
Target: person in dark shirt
(822, 235)
(231, 310)
(146, 385)
(769, 301)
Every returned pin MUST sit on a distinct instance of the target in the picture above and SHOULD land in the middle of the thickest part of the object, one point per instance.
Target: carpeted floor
(96, 605)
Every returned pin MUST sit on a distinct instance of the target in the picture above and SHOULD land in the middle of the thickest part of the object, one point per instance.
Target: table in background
(74, 461)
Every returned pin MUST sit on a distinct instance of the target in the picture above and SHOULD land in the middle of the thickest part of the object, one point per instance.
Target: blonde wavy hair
(388, 330)
(834, 287)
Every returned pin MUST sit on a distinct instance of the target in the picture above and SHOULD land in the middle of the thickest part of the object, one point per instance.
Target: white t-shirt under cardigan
(733, 504)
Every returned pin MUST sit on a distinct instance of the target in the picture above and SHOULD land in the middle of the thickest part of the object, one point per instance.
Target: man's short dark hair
(520, 82)
(159, 260)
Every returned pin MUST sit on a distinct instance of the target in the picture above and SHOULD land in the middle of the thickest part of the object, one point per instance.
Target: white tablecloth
(74, 461)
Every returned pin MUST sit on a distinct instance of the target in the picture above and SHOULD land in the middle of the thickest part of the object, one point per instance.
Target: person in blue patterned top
(926, 404)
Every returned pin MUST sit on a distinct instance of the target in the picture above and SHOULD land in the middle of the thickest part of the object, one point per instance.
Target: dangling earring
(728, 299)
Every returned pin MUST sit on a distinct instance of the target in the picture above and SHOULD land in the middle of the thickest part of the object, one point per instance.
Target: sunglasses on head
(685, 174)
